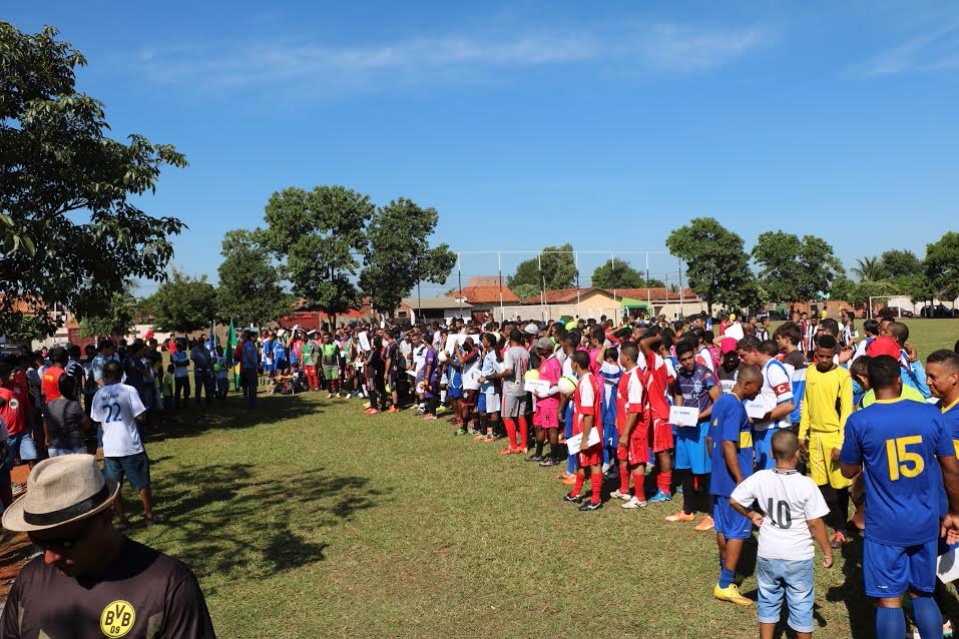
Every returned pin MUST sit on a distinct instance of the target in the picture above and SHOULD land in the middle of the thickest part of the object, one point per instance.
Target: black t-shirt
(64, 417)
(143, 595)
(796, 360)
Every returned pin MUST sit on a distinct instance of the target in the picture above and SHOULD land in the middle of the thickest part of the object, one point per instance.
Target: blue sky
(534, 123)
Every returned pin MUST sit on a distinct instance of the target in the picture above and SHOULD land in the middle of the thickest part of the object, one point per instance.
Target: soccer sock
(689, 491)
(578, 486)
(891, 624)
(927, 616)
(484, 423)
(623, 481)
(523, 432)
(842, 506)
(596, 483)
(665, 482)
(639, 479)
(510, 430)
(539, 448)
(726, 577)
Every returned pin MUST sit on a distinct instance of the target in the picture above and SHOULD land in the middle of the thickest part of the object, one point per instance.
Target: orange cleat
(681, 517)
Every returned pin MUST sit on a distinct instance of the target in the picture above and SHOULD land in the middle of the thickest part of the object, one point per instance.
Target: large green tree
(249, 290)
(65, 191)
(716, 263)
(182, 304)
(116, 317)
(619, 274)
(398, 254)
(794, 269)
(942, 265)
(555, 266)
(897, 263)
(317, 237)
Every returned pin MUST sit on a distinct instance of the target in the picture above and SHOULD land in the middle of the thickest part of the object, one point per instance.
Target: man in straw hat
(91, 581)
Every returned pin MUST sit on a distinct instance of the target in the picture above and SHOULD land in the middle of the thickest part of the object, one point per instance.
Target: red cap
(728, 345)
(884, 345)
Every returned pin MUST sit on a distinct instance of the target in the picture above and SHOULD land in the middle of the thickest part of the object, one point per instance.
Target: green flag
(228, 354)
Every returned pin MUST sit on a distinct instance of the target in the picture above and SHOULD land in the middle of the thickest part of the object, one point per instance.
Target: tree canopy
(114, 318)
(317, 237)
(942, 265)
(716, 263)
(897, 263)
(869, 269)
(794, 269)
(182, 304)
(398, 254)
(619, 274)
(249, 290)
(65, 191)
(558, 270)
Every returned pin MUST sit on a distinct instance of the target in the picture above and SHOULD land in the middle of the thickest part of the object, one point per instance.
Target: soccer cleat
(633, 503)
(534, 458)
(372, 411)
(506, 451)
(428, 417)
(573, 499)
(618, 495)
(837, 540)
(393, 409)
(519, 450)
(569, 481)
(706, 523)
(548, 461)
(660, 497)
(731, 594)
(681, 517)
(588, 506)
(605, 468)
(613, 473)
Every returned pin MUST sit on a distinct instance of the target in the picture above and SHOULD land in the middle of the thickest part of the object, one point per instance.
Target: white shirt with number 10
(787, 501)
(116, 408)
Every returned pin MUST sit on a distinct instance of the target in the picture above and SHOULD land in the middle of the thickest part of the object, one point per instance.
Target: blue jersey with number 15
(898, 442)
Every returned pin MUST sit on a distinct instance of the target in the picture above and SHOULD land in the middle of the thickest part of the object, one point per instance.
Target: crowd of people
(784, 430)
(811, 433)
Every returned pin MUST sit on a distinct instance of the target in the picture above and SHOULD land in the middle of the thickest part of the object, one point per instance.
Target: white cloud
(937, 50)
(660, 48)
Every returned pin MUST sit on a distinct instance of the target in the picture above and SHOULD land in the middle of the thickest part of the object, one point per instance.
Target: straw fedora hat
(60, 491)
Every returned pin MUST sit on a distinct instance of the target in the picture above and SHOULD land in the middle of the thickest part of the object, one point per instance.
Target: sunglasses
(64, 544)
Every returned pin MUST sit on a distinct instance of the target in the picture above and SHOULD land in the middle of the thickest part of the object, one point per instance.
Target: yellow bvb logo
(117, 619)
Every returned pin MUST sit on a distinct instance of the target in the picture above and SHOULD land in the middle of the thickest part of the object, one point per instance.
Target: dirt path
(15, 548)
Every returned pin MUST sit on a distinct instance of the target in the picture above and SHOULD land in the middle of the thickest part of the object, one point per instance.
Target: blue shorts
(21, 444)
(267, 368)
(136, 468)
(455, 387)
(779, 578)
(691, 453)
(568, 421)
(762, 449)
(889, 571)
(610, 435)
(728, 522)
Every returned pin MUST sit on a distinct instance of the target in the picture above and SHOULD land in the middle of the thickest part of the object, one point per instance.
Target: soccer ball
(531, 376)
(217, 368)
(443, 357)
(567, 385)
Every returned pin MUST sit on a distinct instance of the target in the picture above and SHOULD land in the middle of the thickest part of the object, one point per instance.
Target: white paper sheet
(684, 416)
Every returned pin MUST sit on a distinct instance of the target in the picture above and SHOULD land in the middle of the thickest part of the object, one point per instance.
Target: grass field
(927, 334)
(308, 519)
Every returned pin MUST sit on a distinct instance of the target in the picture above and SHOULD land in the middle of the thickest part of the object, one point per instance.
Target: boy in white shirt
(118, 409)
(793, 508)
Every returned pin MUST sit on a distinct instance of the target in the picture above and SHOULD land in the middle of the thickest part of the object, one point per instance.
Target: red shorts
(309, 371)
(635, 452)
(662, 436)
(592, 456)
(545, 418)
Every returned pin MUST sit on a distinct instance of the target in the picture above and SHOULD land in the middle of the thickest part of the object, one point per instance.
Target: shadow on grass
(852, 592)
(233, 413)
(232, 523)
